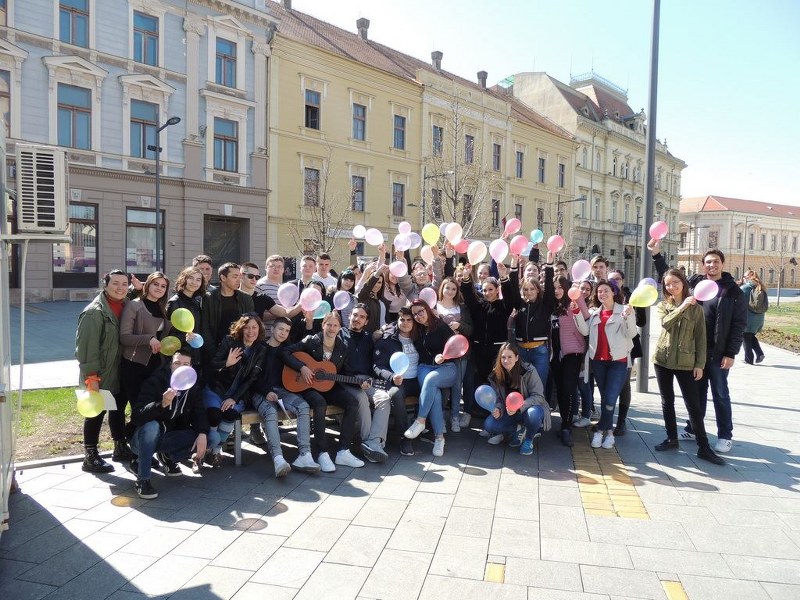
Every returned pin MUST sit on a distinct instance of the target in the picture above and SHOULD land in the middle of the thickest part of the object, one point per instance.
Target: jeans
(539, 358)
(717, 377)
(151, 438)
(468, 384)
(373, 424)
(221, 421)
(752, 348)
(566, 386)
(398, 395)
(431, 379)
(268, 411)
(532, 419)
(691, 398)
(610, 377)
(319, 404)
(624, 401)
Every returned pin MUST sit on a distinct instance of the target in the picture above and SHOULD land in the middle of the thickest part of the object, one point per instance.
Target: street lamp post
(747, 222)
(156, 148)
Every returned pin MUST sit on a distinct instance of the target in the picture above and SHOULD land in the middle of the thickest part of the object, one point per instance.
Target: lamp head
(173, 120)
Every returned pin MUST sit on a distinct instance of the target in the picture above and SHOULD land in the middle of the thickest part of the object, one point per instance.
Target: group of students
(527, 335)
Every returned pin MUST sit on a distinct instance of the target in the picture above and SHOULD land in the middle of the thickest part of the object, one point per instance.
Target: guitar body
(324, 371)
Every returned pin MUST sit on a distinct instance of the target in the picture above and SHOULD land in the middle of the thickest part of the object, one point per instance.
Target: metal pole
(424, 191)
(744, 248)
(158, 199)
(650, 159)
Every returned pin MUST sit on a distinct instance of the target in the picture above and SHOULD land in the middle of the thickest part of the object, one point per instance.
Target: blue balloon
(537, 236)
(486, 397)
(323, 309)
(399, 363)
(196, 341)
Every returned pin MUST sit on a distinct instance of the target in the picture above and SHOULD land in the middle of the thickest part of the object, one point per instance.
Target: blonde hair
(752, 275)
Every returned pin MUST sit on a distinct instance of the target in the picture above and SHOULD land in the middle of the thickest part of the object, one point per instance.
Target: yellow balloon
(643, 296)
(90, 404)
(430, 233)
(170, 345)
(183, 320)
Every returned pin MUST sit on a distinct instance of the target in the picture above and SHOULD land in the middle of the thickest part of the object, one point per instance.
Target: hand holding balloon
(167, 397)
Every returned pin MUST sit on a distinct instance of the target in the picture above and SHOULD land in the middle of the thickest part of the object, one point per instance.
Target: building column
(194, 26)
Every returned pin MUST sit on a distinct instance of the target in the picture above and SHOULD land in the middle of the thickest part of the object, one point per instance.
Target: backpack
(758, 303)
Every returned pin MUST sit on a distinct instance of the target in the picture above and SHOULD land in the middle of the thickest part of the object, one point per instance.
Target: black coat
(243, 374)
(489, 318)
(185, 412)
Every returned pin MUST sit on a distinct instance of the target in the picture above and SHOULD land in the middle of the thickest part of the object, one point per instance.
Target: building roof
(721, 203)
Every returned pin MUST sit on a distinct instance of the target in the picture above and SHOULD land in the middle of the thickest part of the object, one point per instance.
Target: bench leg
(237, 442)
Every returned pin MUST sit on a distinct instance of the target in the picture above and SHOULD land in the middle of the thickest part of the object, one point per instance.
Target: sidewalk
(480, 522)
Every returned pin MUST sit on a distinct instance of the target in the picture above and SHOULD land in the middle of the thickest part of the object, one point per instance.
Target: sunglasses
(251, 275)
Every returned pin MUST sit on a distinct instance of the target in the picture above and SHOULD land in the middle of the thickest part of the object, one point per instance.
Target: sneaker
(759, 359)
(373, 452)
(526, 449)
(566, 438)
(597, 439)
(133, 467)
(667, 444)
(516, 439)
(345, 458)
(455, 424)
(483, 433)
(706, 453)
(415, 429)
(216, 461)
(197, 464)
(144, 489)
(256, 435)
(496, 440)
(406, 447)
(619, 430)
(581, 422)
(723, 446)
(595, 415)
(305, 464)
(466, 419)
(608, 442)
(438, 446)
(282, 467)
(169, 466)
(325, 463)
(685, 436)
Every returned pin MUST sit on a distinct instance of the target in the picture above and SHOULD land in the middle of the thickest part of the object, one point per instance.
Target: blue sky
(729, 70)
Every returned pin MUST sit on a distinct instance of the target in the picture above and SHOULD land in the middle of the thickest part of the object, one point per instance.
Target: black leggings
(568, 371)
(691, 398)
(318, 402)
(752, 348)
(116, 423)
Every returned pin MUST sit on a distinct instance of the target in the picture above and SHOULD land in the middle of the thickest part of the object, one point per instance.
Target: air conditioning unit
(41, 190)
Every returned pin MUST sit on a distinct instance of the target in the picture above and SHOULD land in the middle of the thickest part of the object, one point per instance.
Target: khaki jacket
(682, 343)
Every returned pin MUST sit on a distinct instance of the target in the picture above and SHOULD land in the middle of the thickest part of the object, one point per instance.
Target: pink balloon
(555, 243)
(514, 402)
(402, 242)
(310, 299)
(428, 295)
(706, 290)
(581, 270)
(288, 294)
(341, 299)
(456, 347)
(415, 240)
(518, 245)
(659, 230)
(453, 232)
(476, 252)
(513, 226)
(398, 268)
(404, 227)
(183, 378)
(461, 246)
(427, 254)
(574, 293)
(374, 237)
(498, 250)
(359, 231)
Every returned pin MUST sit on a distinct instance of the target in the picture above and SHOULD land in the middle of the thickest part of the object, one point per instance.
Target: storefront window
(140, 245)
(75, 264)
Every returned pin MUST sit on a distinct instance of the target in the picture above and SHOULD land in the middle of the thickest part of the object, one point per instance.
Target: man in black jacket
(168, 422)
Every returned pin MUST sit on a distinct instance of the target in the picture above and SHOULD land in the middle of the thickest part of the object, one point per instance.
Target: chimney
(363, 26)
(482, 75)
(436, 60)
(287, 4)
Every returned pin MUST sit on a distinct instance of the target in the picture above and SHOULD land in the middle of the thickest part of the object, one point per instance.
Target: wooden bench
(250, 417)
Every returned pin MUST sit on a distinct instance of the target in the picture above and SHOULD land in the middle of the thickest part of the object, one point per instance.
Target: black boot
(93, 463)
(706, 453)
(122, 452)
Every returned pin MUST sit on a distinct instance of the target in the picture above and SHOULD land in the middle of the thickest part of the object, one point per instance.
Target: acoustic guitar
(324, 376)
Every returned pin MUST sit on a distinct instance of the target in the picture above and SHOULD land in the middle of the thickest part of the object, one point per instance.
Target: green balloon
(170, 345)
(183, 320)
(90, 404)
(644, 296)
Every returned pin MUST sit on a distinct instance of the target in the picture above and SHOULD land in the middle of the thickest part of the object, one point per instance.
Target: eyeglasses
(252, 275)
(418, 313)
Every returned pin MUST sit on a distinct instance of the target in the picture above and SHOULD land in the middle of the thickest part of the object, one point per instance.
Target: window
(584, 158)
(75, 263)
(540, 218)
(613, 211)
(597, 209)
(683, 237)
(772, 275)
(469, 149)
(226, 145)
(3, 12)
(626, 210)
(226, 64)
(518, 211)
(763, 241)
(144, 124)
(713, 239)
(358, 193)
(140, 240)
(750, 241)
(614, 167)
(519, 169)
(495, 212)
(773, 242)
(794, 243)
(438, 138)
(74, 117)
(73, 22)
(542, 164)
(625, 169)
(738, 240)
(597, 161)
(496, 150)
(398, 199)
(784, 240)
(399, 132)
(145, 39)
(436, 204)
(359, 122)
(312, 109)
(466, 209)
(5, 97)
(562, 175)
(311, 187)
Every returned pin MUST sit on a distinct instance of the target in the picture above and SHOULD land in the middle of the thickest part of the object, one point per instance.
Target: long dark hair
(510, 379)
(619, 297)
(562, 306)
(433, 322)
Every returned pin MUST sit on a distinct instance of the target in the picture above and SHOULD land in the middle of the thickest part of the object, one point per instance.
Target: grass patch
(782, 327)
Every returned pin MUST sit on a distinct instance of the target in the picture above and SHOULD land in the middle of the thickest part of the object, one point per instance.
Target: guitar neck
(352, 380)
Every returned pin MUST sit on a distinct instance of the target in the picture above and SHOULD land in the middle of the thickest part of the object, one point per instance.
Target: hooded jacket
(185, 412)
(97, 345)
(531, 388)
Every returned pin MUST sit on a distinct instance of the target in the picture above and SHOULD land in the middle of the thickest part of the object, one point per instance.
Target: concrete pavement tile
(166, 575)
(288, 567)
(36, 481)
(679, 513)
(437, 587)
(536, 593)
(563, 522)
(398, 574)
(258, 591)
(317, 533)
(624, 582)
(24, 590)
(586, 553)
(341, 507)
(359, 546)
(213, 583)
(715, 588)
(249, 551)
(764, 569)
(781, 591)
(658, 490)
(286, 516)
(517, 505)
(789, 505)
(157, 542)
(139, 521)
(334, 581)
(514, 537)
(83, 500)
(9, 569)
(60, 568)
(397, 490)
(200, 512)
(543, 573)
(750, 541)
(459, 556)
(651, 534)
(207, 542)
(26, 529)
(428, 503)
(469, 522)
(792, 520)
(107, 512)
(381, 512)
(743, 518)
(560, 495)
(417, 533)
(681, 562)
(51, 542)
(516, 483)
(104, 577)
(104, 543)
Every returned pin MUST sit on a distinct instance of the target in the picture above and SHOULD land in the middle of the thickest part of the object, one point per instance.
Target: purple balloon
(183, 378)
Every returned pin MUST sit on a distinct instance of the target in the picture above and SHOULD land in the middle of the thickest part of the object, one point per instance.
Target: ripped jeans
(610, 376)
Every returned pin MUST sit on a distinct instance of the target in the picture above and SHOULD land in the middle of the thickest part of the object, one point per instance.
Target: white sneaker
(496, 440)
(581, 422)
(305, 463)
(438, 447)
(723, 446)
(346, 459)
(597, 439)
(455, 424)
(325, 463)
(282, 467)
(685, 436)
(483, 433)
(466, 419)
(608, 443)
(414, 430)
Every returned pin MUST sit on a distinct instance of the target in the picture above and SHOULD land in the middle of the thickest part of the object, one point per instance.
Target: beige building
(761, 236)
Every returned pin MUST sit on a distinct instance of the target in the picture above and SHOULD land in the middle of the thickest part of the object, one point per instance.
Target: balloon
(288, 293)
(462, 246)
(455, 347)
(402, 242)
(537, 236)
(427, 254)
(196, 341)
(183, 378)
(486, 397)
(706, 290)
(373, 237)
(415, 239)
(430, 233)
(518, 245)
(476, 252)
(398, 268)
(323, 309)
(498, 250)
(359, 231)
(453, 232)
(341, 300)
(514, 402)
(659, 230)
(89, 404)
(443, 228)
(574, 293)
(428, 296)
(170, 345)
(399, 363)
(647, 281)
(528, 249)
(310, 299)
(643, 296)
(183, 320)
(512, 226)
(555, 243)
(581, 270)
(404, 227)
